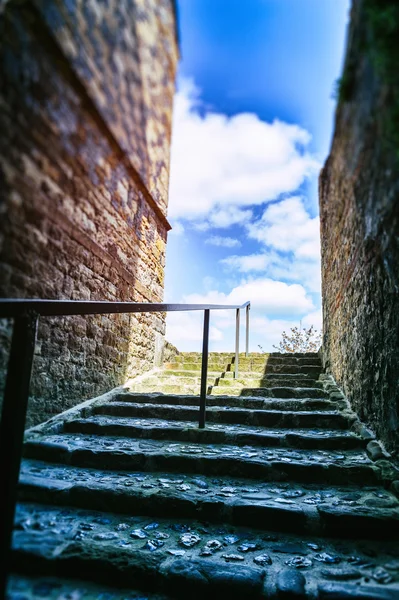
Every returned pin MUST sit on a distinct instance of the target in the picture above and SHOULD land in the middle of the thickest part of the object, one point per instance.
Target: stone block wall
(86, 92)
(359, 205)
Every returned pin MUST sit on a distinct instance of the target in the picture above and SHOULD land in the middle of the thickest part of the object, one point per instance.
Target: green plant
(383, 48)
(344, 86)
(379, 40)
(300, 340)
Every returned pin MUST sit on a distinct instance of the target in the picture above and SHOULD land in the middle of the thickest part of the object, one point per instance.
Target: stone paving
(280, 496)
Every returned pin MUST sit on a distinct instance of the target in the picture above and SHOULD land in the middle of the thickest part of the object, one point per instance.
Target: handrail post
(12, 428)
(247, 330)
(204, 369)
(237, 342)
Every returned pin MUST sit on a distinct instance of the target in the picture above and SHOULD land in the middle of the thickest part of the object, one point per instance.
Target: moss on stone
(383, 48)
(380, 42)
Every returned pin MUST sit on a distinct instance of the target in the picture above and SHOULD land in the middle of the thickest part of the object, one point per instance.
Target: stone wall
(86, 92)
(359, 205)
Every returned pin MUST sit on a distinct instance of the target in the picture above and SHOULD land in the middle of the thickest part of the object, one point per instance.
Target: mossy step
(365, 513)
(292, 377)
(261, 418)
(275, 368)
(167, 388)
(253, 354)
(219, 379)
(272, 464)
(189, 560)
(271, 380)
(179, 380)
(238, 435)
(291, 404)
(251, 360)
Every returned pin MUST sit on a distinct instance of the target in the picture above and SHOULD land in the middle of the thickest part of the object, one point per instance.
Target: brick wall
(359, 199)
(86, 91)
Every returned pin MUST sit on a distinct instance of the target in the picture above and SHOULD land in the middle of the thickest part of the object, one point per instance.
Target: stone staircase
(284, 494)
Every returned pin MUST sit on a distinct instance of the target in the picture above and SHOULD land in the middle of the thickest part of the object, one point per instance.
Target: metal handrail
(26, 314)
(11, 308)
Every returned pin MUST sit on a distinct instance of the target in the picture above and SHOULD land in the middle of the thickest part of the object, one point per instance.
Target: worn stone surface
(85, 115)
(50, 588)
(359, 189)
(89, 540)
(234, 510)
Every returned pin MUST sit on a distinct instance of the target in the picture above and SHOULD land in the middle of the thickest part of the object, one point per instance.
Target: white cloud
(185, 330)
(222, 218)
(229, 215)
(219, 161)
(306, 272)
(275, 307)
(248, 264)
(266, 295)
(291, 241)
(224, 242)
(177, 228)
(315, 318)
(287, 226)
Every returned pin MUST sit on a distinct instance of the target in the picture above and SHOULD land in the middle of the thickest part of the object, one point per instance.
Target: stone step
(233, 389)
(321, 510)
(267, 382)
(272, 464)
(33, 586)
(271, 392)
(255, 360)
(234, 415)
(228, 376)
(188, 559)
(167, 388)
(300, 404)
(219, 379)
(264, 355)
(282, 368)
(239, 435)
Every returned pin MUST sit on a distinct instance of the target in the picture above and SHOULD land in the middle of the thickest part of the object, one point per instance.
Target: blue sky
(253, 120)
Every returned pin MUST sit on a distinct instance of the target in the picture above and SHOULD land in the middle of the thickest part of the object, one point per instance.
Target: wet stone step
(31, 587)
(250, 402)
(220, 414)
(179, 387)
(360, 513)
(214, 433)
(271, 464)
(187, 558)
(233, 390)
(275, 392)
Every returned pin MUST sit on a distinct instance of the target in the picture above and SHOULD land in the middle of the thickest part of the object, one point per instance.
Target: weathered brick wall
(86, 91)
(359, 205)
